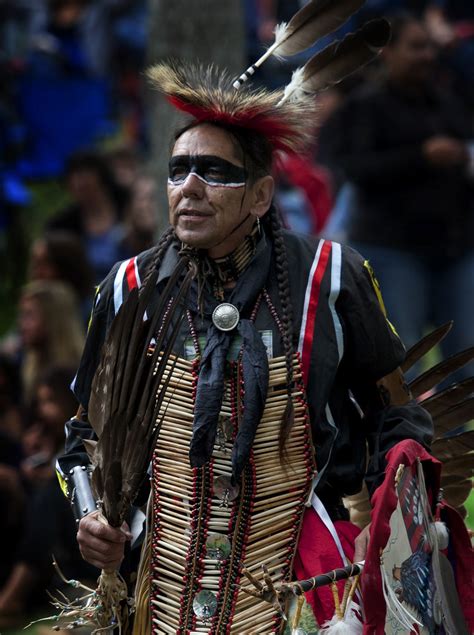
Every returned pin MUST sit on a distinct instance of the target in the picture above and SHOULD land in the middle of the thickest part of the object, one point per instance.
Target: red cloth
(317, 553)
(315, 182)
(384, 502)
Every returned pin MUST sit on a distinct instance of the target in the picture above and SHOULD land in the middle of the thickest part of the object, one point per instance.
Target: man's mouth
(192, 213)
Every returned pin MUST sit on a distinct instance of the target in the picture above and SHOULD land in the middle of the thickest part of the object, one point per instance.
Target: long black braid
(274, 225)
(159, 251)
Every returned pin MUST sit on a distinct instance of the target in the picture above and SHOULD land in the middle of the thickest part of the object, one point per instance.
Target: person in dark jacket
(404, 146)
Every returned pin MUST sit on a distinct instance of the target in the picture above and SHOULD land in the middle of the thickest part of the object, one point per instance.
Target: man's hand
(100, 544)
(361, 543)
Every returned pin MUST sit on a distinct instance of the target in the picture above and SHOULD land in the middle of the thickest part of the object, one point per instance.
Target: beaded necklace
(227, 269)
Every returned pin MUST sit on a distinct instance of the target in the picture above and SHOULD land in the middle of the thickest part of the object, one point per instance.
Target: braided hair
(158, 252)
(274, 226)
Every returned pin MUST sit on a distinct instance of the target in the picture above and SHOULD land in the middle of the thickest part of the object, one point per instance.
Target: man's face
(211, 206)
(84, 185)
(412, 57)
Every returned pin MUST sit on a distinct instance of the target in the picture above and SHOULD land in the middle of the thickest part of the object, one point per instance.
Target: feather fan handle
(313, 21)
(338, 60)
(136, 378)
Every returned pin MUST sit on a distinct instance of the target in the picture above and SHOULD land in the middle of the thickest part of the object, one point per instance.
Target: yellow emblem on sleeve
(62, 484)
(93, 307)
(378, 293)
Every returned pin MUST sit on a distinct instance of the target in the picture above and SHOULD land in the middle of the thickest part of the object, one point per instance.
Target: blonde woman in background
(51, 330)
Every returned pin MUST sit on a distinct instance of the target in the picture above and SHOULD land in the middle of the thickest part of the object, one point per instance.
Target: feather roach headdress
(206, 94)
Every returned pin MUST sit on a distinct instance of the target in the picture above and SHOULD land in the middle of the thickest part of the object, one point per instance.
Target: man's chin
(193, 240)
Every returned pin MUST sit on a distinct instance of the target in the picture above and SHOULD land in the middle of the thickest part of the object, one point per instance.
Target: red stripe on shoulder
(313, 307)
(131, 275)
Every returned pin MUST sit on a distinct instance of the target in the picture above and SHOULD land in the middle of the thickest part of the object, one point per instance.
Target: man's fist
(100, 544)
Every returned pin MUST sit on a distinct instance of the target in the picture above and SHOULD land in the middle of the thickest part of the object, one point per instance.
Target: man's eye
(178, 173)
(213, 173)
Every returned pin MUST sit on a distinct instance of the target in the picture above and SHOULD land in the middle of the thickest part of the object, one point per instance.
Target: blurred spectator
(53, 400)
(73, 36)
(96, 212)
(14, 196)
(10, 399)
(124, 164)
(68, 69)
(141, 216)
(12, 499)
(15, 17)
(451, 25)
(11, 490)
(49, 526)
(51, 330)
(131, 37)
(58, 49)
(60, 255)
(405, 148)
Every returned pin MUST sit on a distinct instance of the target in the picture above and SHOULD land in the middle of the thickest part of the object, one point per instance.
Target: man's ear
(262, 193)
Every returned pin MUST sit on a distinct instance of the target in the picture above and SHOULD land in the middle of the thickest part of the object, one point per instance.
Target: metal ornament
(82, 499)
(218, 546)
(224, 432)
(224, 490)
(205, 605)
(225, 316)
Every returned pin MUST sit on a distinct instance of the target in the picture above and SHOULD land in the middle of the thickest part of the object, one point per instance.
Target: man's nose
(193, 186)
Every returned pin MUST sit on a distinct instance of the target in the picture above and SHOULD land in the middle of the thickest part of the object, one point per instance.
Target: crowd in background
(392, 173)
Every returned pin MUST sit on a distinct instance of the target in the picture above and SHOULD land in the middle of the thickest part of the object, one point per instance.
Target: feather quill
(462, 466)
(456, 491)
(418, 350)
(338, 60)
(453, 417)
(452, 410)
(446, 448)
(313, 21)
(435, 375)
(450, 396)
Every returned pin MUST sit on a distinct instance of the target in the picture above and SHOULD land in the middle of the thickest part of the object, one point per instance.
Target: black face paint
(213, 170)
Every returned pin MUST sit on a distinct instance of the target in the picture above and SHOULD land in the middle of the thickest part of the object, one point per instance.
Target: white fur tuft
(441, 534)
(350, 625)
(293, 90)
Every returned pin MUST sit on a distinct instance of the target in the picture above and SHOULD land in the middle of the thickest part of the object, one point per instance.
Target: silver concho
(224, 490)
(218, 546)
(225, 316)
(204, 605)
